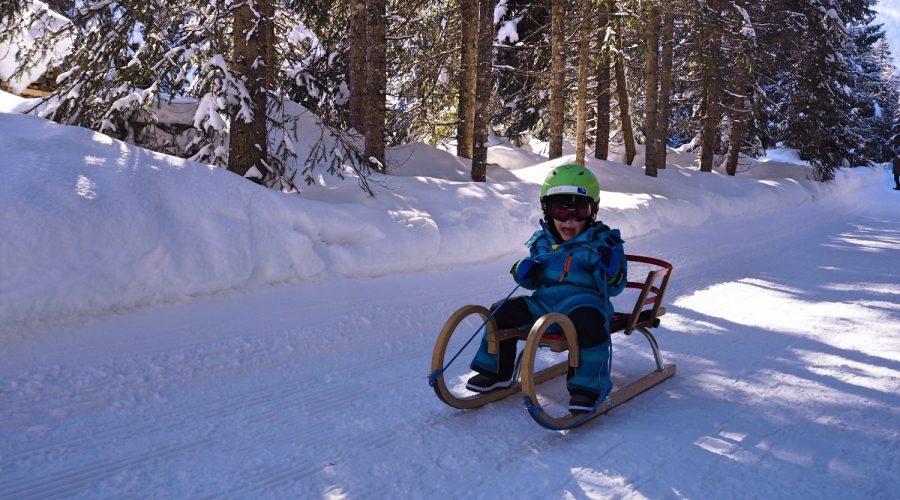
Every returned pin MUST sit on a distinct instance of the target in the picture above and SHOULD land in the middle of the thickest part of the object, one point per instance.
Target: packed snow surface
(169, 330)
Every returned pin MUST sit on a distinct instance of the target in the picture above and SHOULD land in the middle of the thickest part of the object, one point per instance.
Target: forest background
(211, 81)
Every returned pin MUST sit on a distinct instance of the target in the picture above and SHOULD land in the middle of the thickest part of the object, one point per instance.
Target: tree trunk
(357, 79)
(711, 89)
(267, 8)
(377, 83)
(601, 147)
(665, 84)
(711, 116)
(557, 78)
(583, 61)
(468, 71)
(483, 90)
(622, 90)
(651, 95)
(741, 109)
(248, 137)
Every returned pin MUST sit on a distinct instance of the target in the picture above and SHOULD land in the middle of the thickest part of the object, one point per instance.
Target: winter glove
(608, 262)
(526, 269)
(610, 267)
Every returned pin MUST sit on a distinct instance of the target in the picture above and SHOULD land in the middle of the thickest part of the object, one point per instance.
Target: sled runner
(645, 315)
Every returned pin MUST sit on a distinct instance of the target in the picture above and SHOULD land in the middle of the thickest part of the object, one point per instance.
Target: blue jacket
(584, 271)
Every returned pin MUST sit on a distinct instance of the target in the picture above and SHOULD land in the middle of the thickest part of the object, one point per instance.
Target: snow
(168, 329)
(747, 29)
(508, 31)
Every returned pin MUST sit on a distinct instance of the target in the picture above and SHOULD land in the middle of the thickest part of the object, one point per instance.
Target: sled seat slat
(557, 343)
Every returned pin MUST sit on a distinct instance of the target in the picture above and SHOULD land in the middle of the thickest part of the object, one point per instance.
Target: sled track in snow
(272, 411)
(76, 479)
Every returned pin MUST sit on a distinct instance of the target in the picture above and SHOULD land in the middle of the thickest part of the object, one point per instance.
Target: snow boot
(486, 383)
(590, 381)
(582, 401)
(496, 366)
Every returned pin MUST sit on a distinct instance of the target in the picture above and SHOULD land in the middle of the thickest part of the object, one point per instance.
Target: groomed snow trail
(785, 329)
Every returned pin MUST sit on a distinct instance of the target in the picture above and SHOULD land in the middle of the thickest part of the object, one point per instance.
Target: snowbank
(92, 224)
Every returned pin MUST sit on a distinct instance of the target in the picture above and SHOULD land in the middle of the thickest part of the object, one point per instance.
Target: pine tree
(742, 47)
(822, 108)
(522, 71)
(132, 58)
(875, 90)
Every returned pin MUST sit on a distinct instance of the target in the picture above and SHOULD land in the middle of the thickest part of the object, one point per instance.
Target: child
(576, 265)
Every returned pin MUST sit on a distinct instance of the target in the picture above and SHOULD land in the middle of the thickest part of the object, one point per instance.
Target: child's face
(570, 228)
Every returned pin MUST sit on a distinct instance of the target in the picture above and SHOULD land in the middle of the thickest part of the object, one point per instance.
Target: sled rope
(432, 379)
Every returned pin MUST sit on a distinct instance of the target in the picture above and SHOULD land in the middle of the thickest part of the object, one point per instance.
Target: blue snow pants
(592, 374)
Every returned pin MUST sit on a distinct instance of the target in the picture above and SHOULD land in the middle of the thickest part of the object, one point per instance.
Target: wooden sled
(645, 315)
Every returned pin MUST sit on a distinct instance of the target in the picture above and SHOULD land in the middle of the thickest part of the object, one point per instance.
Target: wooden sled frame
(645, 315)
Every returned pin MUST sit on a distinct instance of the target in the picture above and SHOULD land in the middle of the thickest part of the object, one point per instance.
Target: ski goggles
(563, 211)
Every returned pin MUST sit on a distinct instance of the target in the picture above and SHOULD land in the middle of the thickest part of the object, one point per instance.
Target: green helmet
(572, 180)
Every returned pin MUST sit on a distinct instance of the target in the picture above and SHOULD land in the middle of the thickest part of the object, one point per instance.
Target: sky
(170, 330)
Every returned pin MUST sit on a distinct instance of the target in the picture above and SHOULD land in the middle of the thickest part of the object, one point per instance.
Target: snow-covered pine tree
(424, 57)
(747, 21)
(814, 79)
(129, 55)
(877, 92)
(822, 109)
(522, 70)
(891, 111)
(140, 61)
(712, 61)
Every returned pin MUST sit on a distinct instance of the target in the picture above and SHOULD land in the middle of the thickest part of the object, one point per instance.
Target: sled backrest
(650, 293)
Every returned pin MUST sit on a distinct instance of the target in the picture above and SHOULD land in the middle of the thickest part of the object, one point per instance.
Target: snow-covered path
(785, 329)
